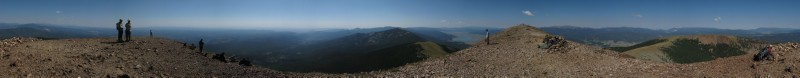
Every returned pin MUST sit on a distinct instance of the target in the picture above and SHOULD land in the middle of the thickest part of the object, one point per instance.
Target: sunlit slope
(689, 49)
(431, 49)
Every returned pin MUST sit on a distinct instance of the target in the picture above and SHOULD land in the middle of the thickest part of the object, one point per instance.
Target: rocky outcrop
(14, 41)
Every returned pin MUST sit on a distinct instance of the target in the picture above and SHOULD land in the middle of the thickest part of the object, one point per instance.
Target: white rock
(138, 66)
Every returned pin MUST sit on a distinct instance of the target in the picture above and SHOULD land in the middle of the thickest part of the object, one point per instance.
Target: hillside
(99, 57)
(362, 52)
(690, 49)
(514, 53)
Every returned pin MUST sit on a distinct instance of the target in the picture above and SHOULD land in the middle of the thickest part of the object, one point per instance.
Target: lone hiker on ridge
(201, 45)
(487, 36)
(128, 31)
(119, 31)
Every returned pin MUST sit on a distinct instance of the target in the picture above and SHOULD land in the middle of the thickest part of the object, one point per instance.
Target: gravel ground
(513, 53)
(100, 57)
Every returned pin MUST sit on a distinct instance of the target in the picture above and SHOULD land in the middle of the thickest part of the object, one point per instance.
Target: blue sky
(730, 14)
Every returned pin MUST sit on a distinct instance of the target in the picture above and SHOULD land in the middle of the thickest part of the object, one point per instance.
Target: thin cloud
(528, 13)
(717, 19)
(637, 15)
(442, 20)
(58, 12)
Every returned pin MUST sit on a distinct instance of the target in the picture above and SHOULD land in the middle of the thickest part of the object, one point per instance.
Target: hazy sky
(735, 14)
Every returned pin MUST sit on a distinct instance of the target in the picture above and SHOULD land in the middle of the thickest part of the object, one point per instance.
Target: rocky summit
(513, 52)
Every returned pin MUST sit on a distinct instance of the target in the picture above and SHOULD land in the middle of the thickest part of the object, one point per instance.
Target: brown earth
(100, 57)
(513, 53)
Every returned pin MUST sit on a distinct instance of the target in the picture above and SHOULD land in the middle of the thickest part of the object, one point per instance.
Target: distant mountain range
(388, 46)
(628, 36)
(363, 52)
(274, 48)
(46, 31)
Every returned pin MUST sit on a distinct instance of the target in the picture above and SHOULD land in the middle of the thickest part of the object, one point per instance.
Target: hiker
(119, 31)
(487, 36)
(151, 33)
(201, 45)
(245, 62)
(128, 31)
(192, 46)
(551, 40)
(769, 51)
(766, 53)
(220, 57)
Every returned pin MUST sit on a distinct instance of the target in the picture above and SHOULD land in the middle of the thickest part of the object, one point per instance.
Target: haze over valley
(399, 38)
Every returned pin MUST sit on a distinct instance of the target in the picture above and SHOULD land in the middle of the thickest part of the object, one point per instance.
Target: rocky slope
(99, 57)
(515, 54)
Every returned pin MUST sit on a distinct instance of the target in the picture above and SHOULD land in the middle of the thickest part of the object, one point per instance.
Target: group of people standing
(127, 31)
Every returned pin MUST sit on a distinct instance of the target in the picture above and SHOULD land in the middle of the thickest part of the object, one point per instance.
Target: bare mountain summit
(513, 53)
(99, 57)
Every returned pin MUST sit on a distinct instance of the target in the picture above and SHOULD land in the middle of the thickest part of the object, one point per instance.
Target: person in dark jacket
(201, 45)
(220, 57)
(151, 33)
(119, 31)
(245, 62)
(766, 53)
(128, 31)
